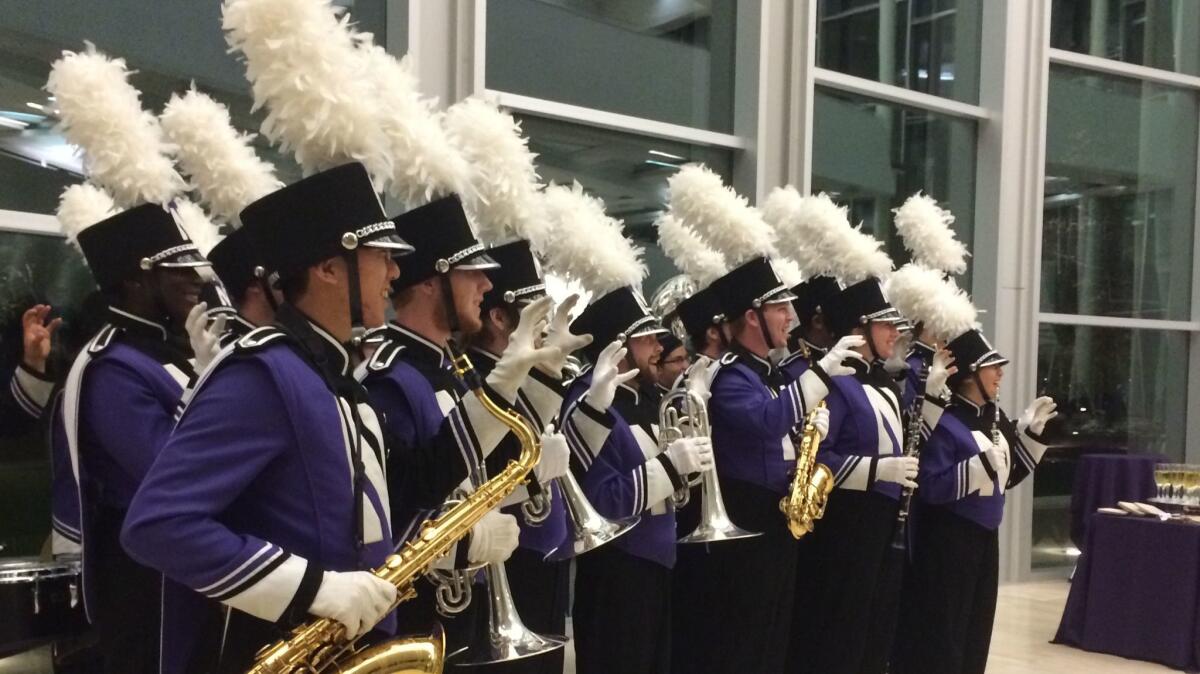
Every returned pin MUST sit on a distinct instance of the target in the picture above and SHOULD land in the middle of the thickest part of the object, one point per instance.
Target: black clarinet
(912, 447)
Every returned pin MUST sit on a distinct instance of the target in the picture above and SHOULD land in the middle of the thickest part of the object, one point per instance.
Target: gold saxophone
(322, 646)
(805, 502)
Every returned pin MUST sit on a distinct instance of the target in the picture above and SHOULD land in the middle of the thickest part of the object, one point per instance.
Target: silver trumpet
(715, 524)
(506, 638)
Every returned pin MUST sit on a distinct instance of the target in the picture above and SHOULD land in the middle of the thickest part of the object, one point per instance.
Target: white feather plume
(719, 215)
(425, 165)
(788, 271)
(200, 229)
(304, 67)
(688, 251)
(805, 226)
(81, 206)
(219, 160)
(923, 296)
(856, 256)
(123, 146)
(585, 244)
(503, 173)
(927, 230)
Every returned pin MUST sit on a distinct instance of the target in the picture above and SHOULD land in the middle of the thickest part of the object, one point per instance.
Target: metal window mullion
(24, 222)
(1118, 322)
(615, 121)
(1121, 69)
(898, 95)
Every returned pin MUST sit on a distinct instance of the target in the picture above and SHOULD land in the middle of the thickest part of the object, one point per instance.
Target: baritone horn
(715, 524)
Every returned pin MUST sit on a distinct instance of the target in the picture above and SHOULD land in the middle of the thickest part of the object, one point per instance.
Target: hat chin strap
(762, 325)
(357, 329)
(870, 339)
(979, 385)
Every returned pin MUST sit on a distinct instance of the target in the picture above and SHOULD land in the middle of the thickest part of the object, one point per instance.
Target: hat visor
(186, 259)
(391, 242)
(889, 315)
(778, 296)
(481, 261)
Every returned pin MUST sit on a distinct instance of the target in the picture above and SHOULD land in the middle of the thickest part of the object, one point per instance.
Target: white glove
(356, 599)
(559, 335)
(939, 372)
(899, 469)
(690, 455)
(555, 459)
(205, 337)
(522, 351)
(699, 376)
(493, 538)
(1033, 419)
(819, 418)
(606, 378)
(997, 458)
(832, 361)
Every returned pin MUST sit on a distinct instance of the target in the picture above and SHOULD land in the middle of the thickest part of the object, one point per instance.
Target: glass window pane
(1117, 389)
(926, 46)
(1157, 33)
(667, 61)
(35, 269)
(894, 152)
(35, 161)
(1119, 207)
(628, 171)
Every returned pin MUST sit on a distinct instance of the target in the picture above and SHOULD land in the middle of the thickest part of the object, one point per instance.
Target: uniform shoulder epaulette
(260, 337)
(102, 340)
(384, 356)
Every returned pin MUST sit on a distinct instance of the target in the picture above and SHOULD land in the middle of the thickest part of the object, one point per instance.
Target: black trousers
(949, 595)
(128, 605)
(540, 592)
(622, 614)
(738, 597)
(848, 589)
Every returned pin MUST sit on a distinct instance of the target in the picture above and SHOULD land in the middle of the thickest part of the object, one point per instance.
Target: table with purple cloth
(1103, 479)
(1136, 591)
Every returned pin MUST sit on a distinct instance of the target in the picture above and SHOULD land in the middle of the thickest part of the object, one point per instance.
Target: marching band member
(271, 496)
(117, 404)
(972, 456)
(28, 392)
(853, 575)
(623, 589)
(227, 175)
(506, 207)
(927, 232)
(753, 412)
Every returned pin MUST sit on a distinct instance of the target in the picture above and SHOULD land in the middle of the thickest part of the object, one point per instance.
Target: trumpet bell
(592, 533)
(714, 532)
(418, 655)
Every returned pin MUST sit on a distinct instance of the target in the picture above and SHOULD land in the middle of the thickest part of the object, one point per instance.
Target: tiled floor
(1026, 619)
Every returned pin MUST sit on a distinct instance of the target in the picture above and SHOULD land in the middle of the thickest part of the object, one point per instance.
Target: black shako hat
(518, 278)
(122, 246)
(972, 352)
(749, 286)
(443, 239)
(700, 311)
(322, 216)
(235, 260)
(619, 315)
(860, 304)
(813, 296)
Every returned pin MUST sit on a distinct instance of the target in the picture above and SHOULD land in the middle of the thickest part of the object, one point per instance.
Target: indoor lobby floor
(1026, 618)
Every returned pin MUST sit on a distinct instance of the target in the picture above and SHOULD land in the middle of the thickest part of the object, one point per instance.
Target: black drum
(40, 602)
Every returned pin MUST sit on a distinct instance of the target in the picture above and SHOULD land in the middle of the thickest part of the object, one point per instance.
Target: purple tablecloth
(1136, 592)
(1103, 479)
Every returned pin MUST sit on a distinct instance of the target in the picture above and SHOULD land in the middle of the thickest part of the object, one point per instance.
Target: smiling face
(991, 377)
(376, 271)
(179, 288)
(884, 336)
(645, 350)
